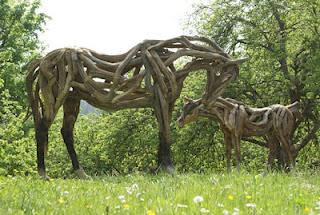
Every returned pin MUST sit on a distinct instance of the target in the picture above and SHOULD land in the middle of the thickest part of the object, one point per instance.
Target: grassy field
(275, 193)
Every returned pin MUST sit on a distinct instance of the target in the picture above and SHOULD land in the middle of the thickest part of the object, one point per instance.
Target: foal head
(190, 111)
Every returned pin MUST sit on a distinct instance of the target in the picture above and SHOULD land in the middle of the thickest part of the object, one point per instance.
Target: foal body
(237, 120)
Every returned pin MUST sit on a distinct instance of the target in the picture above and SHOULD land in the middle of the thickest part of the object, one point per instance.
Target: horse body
(145, 76)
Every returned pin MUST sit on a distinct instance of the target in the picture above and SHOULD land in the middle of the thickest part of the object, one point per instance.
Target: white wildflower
(182, 206)
(198, 199)
(129, 191)
(204, 210)
(135, 186)
(236, 211)
(225, 212)
(251, 205)
(220, 205)
(64, 193)
(122, 198)
(132, 188)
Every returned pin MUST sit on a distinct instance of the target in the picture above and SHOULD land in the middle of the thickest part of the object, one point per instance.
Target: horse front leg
(164, 152)
(71, 112)
(163, 112)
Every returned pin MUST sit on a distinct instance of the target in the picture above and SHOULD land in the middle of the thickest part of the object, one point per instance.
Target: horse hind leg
(41, 133)
(71, 108)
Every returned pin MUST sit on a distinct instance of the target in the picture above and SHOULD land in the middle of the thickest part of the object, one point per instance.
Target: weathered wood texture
(145, 76)
(237, 120)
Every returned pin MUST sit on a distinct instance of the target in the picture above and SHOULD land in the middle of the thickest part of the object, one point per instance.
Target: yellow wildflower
(248, 197)
(60, 200)
(306, 210)
(126, 206)
(230, 197)
(151, 212)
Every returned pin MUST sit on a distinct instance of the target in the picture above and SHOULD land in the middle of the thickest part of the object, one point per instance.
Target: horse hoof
(170, 169)
(82, 174)
(43, 175)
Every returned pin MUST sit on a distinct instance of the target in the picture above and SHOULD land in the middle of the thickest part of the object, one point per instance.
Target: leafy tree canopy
(20, 24)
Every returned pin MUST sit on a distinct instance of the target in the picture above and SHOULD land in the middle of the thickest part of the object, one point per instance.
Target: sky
(112, 26)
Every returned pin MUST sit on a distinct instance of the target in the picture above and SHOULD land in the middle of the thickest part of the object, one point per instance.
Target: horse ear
(186, 100)
(198, 101)
(294, 107)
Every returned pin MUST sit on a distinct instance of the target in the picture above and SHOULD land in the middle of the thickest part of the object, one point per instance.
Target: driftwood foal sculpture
(237, 120)
(145, 76)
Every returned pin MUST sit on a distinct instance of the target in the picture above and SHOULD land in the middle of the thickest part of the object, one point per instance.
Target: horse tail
(33, 92)
(33, 89)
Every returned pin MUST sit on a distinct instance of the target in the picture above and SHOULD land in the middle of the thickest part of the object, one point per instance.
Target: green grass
(275, 193)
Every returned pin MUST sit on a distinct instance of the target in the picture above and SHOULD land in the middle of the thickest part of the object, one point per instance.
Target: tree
(283, 42)
(20, 25)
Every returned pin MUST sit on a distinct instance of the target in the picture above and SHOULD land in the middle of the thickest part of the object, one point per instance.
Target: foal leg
(236, 141)
(287, 147)
(272, 145)
(71, 112)
(228, 145)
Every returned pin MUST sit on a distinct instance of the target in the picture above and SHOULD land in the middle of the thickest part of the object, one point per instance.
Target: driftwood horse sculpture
(145, 76)
(275, 123)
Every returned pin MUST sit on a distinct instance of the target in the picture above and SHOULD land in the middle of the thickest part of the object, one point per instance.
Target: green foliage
(20, 24)
(19, 27)
(17, 149)
(121, 142)
(270, 33)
